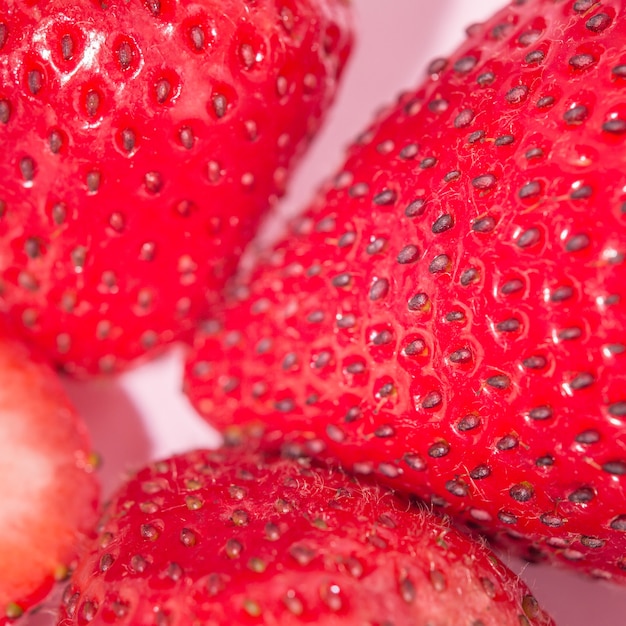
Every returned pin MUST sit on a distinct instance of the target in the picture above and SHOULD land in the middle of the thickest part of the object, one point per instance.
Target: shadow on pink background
(143, 415)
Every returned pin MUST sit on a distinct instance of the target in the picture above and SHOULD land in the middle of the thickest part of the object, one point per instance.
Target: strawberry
(142, 142)
(238, 536)
(48, 491)
(449, 315)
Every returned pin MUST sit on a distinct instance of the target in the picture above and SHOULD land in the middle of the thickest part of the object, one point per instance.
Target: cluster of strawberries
(435, 349)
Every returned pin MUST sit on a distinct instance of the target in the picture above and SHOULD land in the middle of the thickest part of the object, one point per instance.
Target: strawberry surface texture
(235, 536)
(449, 313)
(142, 143)
(48, 489)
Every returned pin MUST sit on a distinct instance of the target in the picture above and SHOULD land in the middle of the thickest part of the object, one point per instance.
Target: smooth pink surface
(144, 415)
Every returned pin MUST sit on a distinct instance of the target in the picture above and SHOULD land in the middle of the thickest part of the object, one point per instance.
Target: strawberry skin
(450, 313)
(142, 142)
(235, 536)
(48, 490)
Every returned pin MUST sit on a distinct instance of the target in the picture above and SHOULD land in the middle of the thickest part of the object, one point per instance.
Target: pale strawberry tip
(49, 493)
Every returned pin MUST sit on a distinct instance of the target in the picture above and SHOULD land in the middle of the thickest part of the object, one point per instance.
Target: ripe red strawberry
(141, 143)
(450, 314)
(48, 491)
(231, 536)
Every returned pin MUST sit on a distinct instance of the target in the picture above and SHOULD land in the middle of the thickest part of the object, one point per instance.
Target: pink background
(397, 38)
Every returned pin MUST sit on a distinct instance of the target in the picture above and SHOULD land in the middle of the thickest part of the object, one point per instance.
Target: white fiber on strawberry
(235, 536)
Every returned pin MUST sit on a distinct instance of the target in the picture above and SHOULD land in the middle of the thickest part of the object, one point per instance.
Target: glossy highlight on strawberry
(142, 142)
(237, 536)
(449, 314)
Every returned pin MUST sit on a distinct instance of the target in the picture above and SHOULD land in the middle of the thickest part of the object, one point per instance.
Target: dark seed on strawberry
(583, 495)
